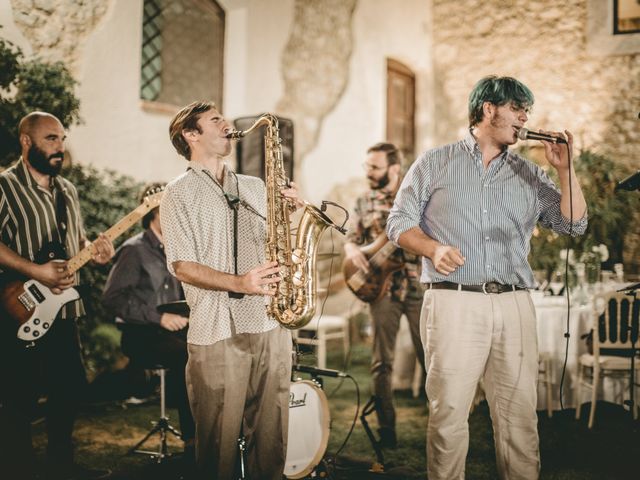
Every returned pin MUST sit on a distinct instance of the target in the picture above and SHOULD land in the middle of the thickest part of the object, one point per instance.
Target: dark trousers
(53, 366)
(147, 346)
(385, 317)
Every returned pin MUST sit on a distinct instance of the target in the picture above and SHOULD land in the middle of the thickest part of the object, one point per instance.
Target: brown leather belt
(486, 288)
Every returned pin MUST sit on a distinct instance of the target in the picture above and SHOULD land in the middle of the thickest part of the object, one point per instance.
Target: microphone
(526, 134)
(319, 371)
(632, 182)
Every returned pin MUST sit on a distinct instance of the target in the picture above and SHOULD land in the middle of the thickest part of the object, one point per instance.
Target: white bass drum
(308, 428)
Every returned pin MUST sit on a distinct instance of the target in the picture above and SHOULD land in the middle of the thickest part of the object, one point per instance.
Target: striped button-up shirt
(488, 214)
(28, 219)
(197, 226)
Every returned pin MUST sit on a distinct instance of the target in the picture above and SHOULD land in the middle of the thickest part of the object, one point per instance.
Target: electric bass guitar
(371, 286)
(32, 305)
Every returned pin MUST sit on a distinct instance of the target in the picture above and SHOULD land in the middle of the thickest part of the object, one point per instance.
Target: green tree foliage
(613, 216)
(31, 85)
(105, 197)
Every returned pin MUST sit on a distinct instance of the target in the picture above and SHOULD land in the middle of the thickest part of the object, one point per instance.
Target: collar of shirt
(154, 241)
(227, 175)
(470, 144)
(24, 176)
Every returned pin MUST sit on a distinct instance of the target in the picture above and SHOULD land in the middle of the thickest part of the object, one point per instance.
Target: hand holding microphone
(556, 147)
(526, 134)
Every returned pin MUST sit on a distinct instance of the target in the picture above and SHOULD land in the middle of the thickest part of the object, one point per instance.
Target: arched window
(182, 51)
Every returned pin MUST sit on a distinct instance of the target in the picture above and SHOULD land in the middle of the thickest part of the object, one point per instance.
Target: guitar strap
(61, 211)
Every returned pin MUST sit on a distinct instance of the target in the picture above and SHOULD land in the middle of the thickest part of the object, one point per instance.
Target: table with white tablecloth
(551, 313)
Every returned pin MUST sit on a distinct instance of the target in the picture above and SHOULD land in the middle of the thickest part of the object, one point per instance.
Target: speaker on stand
(250, 151)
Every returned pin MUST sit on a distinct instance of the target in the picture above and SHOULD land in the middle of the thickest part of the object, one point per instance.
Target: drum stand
(242, 448)
(369, 408)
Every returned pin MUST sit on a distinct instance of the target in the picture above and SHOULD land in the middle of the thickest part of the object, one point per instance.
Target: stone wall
(548, 45)
(56, 29)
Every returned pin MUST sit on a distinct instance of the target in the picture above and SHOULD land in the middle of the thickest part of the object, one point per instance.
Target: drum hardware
(314, 371)
(242, 448)
(369, 408)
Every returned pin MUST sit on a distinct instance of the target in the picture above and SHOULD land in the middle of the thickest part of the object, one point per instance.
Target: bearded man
(39, 208)
(403, 293)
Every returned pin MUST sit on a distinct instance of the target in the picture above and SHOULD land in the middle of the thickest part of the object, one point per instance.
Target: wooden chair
(613, 314)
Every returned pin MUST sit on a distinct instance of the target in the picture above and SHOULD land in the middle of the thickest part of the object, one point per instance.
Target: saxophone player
(239, 366)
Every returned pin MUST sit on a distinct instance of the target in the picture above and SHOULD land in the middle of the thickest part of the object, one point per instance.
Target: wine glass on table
(557, 282)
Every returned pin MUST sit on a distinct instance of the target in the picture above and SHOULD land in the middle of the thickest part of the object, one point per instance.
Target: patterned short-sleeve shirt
(368, 222)
(198, 226)
(28, 219)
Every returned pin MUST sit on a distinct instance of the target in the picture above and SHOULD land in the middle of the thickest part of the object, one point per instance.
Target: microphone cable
(355, 417)
(567, 334)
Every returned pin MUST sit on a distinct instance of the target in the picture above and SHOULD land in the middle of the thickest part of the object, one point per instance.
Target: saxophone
(294, 303)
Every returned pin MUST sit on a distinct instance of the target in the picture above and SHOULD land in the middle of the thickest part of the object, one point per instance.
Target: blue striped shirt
(488, 214)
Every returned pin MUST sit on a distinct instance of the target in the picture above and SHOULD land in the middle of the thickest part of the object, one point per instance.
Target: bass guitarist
(401, 292)
(39, 208)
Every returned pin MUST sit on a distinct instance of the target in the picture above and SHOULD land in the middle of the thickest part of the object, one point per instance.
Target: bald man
(38, 208)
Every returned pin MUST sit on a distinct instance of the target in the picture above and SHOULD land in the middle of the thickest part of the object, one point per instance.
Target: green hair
(499, 91)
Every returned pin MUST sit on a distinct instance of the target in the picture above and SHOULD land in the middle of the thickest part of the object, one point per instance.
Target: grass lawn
(569, 450)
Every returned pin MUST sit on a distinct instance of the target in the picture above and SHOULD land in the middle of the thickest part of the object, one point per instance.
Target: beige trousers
(243, 380)
(468, 336)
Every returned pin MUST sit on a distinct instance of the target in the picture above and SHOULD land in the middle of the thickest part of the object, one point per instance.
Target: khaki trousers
(385, 318)
(243, 380)
(467, 336)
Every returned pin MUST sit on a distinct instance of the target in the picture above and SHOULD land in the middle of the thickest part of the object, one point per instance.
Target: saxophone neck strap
(232, 202)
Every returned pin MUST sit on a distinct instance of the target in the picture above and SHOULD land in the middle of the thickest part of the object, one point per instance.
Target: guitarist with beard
(396, 277)
(38, 208)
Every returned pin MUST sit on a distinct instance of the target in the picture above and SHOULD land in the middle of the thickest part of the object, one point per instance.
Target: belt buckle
(490, 287)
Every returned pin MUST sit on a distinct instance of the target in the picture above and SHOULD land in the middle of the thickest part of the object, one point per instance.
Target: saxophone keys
(298, 256)
(299, 279)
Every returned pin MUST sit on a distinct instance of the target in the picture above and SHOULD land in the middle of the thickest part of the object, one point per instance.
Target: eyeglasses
(373, 168)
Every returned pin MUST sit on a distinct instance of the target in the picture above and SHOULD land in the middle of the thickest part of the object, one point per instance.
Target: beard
(380, 183)
(42, 163)
(499, 122)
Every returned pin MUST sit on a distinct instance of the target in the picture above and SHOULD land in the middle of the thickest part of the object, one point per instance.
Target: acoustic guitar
(371, 286)
(32, 305)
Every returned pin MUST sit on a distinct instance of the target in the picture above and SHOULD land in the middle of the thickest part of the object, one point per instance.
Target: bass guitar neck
(33, 306)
